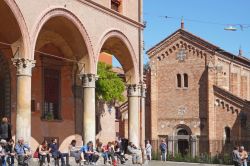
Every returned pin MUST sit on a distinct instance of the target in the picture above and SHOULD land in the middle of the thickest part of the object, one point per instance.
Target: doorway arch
(182, 135)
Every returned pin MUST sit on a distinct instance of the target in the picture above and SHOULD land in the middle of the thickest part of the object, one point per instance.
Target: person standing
(163, 148)
(244, 156)
(236, 156)
(148, 150)
(5, 129)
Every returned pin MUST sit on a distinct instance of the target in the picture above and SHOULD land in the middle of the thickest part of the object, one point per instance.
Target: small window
(227, 133)
(115, 4)
(178, 80)
(185, 80)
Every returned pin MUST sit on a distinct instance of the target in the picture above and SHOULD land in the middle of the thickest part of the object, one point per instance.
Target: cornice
(112, 13)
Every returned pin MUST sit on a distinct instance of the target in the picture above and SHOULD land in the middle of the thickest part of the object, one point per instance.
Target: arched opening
(11, 44)
(178, 78)
(227, 134)
(183, 141)
(185, 80)
(116, 47)
(61, 54)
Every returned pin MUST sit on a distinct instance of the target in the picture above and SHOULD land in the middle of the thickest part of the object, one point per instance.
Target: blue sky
(222, 12)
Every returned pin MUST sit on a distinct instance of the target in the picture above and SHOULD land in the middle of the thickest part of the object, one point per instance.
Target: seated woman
(43, 153)
(74, 151)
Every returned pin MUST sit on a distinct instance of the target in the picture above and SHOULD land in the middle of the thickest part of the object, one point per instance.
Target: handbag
(35, 155)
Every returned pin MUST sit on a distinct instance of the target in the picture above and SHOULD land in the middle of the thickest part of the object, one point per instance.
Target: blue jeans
(163, 155)
(10, 160)
(3, 161)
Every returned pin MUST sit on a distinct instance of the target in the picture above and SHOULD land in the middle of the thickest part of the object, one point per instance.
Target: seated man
(23, 152)
(10, 151)
(87, 152)
(56, 154)
(135, 152)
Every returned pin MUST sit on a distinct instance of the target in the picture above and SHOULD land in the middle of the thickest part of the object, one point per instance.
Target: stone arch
(54, 12)
(182, 126)
(129, 63)
(24, 45)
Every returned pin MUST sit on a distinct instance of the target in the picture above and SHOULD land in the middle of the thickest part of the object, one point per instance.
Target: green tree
(109, 86)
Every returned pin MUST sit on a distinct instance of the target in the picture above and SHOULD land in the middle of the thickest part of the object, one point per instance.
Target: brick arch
(22, 26)
(58, 11)
(113, 33)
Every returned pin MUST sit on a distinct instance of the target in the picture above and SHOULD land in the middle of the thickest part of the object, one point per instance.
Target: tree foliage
(109, 86)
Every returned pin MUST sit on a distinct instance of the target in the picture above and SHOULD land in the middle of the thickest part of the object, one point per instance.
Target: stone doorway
(183, 141)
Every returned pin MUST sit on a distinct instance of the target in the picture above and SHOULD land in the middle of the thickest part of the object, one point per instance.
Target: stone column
(133, 114)
(89, 125)
(171, 145)
(193, 145)
(23, 115)
(142, 102)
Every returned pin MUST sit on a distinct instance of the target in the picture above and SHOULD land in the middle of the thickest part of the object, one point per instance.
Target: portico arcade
(56, 53)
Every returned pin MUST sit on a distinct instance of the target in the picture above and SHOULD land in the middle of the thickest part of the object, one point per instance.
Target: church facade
(199, 96)
(49, 51)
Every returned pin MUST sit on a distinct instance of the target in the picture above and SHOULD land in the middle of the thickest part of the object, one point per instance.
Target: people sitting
(74, 151)
(10, 152)
(135, 152)
(3, 152)
(107, 153)
(23, 152)
(118, 152)
(56, 154)
(43, 152)
(88, 153)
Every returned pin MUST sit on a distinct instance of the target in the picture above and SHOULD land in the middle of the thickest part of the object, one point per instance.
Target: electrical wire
(241, 25)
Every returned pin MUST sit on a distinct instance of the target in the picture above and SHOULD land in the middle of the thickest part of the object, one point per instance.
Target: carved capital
(143, 90)
(24, 66)
(133, 90)
(88, 80)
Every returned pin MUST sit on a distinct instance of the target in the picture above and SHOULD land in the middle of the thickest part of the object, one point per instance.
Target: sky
(204, 18)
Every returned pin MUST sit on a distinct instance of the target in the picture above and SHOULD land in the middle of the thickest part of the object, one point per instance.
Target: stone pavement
(151, 163)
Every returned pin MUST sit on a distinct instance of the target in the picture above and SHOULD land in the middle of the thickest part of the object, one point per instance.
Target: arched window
(178, 80)
(227, 134)
(185, 80)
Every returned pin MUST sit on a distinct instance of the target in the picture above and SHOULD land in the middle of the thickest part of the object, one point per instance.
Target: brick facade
(188, 75)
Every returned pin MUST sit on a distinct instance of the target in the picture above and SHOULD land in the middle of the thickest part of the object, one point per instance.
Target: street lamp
(230, 28)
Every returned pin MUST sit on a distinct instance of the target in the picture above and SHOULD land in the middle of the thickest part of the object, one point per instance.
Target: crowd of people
(111, 152)
(239, 156)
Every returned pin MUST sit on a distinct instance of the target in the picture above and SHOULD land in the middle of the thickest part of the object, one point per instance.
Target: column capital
(143, 90)
(134, 90)
(24, 66)
(88, 80)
